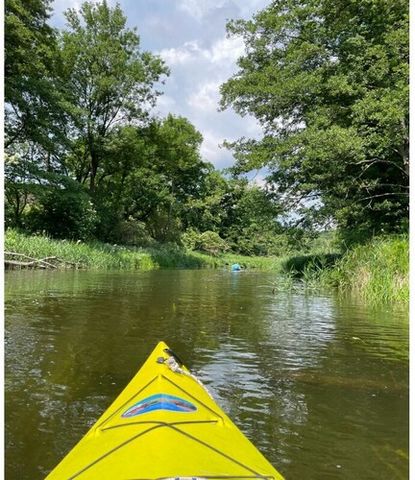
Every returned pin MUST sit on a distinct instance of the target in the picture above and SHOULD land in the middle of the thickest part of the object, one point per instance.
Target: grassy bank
(101, 256)
(378, 271)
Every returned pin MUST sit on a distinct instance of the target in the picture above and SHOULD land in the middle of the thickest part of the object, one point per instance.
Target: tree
(20, 172)
(109, 80)
(204, 211)
(250, 224)
(41, 200)
(328, 81)
(149, 175)
(63, 209)
(244, 215)
(34, 106)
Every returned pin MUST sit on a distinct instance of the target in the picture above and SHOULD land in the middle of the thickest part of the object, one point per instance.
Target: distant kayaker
(236, 267)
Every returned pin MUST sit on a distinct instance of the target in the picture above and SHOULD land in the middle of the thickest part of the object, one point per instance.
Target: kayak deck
(164, 425)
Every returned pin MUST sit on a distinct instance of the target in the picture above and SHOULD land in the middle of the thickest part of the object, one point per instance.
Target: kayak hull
(163, 425)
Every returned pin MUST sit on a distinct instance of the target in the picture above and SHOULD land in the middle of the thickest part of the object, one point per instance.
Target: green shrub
(211, 243)
(63, 211)
(190, 239)
(133, 232)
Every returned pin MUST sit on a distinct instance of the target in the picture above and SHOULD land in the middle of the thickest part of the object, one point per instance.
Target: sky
(190, 35)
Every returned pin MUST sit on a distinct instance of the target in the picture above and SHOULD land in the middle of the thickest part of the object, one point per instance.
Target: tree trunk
(94, 165)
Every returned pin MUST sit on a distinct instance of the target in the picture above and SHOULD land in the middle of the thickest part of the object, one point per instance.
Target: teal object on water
(235, 267)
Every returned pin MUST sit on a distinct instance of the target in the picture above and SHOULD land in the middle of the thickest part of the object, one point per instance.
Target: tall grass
(377, 271)
(92, 255)
(96, 255)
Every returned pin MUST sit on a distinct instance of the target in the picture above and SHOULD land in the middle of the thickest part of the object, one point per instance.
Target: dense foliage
(328, 81)
(34, 106)
(86, 159)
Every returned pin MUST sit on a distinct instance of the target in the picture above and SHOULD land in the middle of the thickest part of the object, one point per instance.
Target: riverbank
(377, 272)
(96, 255)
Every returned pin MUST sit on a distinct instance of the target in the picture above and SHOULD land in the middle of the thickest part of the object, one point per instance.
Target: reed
(378, 271)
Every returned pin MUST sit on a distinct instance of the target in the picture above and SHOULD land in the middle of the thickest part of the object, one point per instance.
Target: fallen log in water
(30, 262)
(15, 264)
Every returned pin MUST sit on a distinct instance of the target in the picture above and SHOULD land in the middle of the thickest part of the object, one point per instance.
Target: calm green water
(318, 384)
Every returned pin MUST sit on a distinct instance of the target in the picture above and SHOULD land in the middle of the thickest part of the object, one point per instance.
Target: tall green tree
(149, 174)
(110, 81)
(250, 224)
(34, 106)
(328, 81)
(204, 211)
(179, 168)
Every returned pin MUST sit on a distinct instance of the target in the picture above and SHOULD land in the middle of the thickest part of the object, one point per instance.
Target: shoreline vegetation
(378, 271)
(104, 256)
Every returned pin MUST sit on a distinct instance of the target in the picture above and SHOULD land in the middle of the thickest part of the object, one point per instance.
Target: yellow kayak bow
(164, 425)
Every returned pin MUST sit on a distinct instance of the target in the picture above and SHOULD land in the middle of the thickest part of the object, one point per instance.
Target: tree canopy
(109, 80)
(328, 81)
(34, 107)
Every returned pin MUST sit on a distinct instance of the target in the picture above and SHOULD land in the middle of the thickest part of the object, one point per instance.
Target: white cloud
(165, 104)
(251, 6)
(199, 8)
(206, 97)
(181, 55)
(61, 5)
(210, 146)
(226, 50)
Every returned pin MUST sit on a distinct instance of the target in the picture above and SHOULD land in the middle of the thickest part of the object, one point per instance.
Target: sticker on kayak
(159, 401)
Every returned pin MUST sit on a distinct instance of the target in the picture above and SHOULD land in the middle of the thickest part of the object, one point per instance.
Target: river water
(318, 383)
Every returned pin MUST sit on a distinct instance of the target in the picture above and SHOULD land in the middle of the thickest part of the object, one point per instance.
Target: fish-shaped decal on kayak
(159, 401)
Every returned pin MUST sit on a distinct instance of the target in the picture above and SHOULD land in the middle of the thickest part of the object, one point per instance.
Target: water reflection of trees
(296, 373)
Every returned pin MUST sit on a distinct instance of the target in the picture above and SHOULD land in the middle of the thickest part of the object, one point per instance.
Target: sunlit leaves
(109, 80)
(328, 81)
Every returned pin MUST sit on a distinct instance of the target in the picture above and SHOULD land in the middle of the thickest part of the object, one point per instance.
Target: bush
(133, 232)
(63, 211)
(190, 238)
(211, 243)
